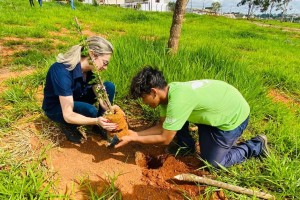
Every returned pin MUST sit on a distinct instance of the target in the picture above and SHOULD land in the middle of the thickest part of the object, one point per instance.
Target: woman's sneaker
(72, 133)
(99, 131)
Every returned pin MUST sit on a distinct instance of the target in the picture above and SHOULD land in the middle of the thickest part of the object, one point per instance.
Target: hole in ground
(155, 162)
(150, 161)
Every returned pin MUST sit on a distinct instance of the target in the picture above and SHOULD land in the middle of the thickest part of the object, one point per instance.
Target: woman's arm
(67, 105)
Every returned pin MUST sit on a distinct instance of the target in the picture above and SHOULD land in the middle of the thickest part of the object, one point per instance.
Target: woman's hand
(104, 123)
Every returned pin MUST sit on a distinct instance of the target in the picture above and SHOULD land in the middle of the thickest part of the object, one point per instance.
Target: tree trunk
(271, 8)
(175, 30)
(249, 9)
(284, 9)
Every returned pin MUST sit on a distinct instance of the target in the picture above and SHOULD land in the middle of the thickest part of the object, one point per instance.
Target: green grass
(110, 191)
(254, 59)
(29, 183)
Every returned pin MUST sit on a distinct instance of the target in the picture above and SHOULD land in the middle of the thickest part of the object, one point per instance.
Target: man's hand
(116, 107)
(123, 141)
(126, 139)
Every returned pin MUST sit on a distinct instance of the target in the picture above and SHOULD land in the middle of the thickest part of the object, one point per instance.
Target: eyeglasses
(105, 62)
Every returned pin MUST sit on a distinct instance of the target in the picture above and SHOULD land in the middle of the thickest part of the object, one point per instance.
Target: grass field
(262, 62)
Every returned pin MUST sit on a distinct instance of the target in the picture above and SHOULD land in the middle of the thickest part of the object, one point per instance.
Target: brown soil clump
(118, 117)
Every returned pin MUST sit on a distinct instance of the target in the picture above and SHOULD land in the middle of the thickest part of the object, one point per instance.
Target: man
(72, 4)
(217, 108)
(31, 3)
(40, 2)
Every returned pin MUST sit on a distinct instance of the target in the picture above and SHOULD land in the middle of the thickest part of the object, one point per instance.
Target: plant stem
(100, 88)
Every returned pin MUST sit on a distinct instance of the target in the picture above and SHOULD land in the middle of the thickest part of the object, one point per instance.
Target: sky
(231, 5)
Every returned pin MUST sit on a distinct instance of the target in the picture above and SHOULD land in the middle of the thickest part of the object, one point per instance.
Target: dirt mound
(143, 171)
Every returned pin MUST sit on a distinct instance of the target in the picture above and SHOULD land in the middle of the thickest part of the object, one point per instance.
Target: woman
(68, 96)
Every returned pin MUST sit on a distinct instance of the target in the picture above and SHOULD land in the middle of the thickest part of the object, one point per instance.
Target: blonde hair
(96, 44)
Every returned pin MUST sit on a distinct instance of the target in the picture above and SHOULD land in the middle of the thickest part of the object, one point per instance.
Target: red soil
(93, 162)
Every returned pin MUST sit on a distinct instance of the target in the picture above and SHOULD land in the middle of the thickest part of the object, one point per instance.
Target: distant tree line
(266, 5)
(291, 18)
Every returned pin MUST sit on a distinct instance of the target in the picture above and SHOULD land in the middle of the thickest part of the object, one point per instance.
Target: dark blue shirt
(61, 82)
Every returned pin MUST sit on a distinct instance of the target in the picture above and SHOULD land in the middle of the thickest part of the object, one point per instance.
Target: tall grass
(254, 59)
(20, 182)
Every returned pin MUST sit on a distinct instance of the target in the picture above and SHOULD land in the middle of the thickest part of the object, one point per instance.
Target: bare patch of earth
(5, 74)
(137, 178)
(63, 32)
(6, 52)
(279, 96)
(288, 29)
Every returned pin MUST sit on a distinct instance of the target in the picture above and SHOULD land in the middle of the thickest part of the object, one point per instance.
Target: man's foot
(264, 145)
(179, 151)
(99, 131)
(72, 133)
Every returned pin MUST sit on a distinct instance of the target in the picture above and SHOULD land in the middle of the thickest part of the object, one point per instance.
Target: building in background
(108, 2)
(146, 5)
(151, 5)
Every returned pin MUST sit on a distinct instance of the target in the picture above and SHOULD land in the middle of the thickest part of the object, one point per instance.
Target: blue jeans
(31, 3)
(40, 2)
(72, 4)
(184, 139)
(84, 105)
(218, 146)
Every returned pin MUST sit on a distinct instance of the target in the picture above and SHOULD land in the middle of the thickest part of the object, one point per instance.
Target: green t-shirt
(209, 102)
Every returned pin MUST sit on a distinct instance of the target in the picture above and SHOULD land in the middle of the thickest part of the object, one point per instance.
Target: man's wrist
(133, 139)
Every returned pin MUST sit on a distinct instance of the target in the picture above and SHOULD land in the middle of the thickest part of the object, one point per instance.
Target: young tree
(283, 6)
(251, 5)
(216, 6)
(269, 4)
(176, 26)
(171, 6)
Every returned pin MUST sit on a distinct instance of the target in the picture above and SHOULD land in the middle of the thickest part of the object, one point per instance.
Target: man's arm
(164, 138)
(155, 130)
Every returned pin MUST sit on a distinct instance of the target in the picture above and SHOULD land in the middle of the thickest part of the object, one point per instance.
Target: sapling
(98, 88)
(114, 115)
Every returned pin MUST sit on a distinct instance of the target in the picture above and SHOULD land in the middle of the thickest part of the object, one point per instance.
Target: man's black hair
(146, 79)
